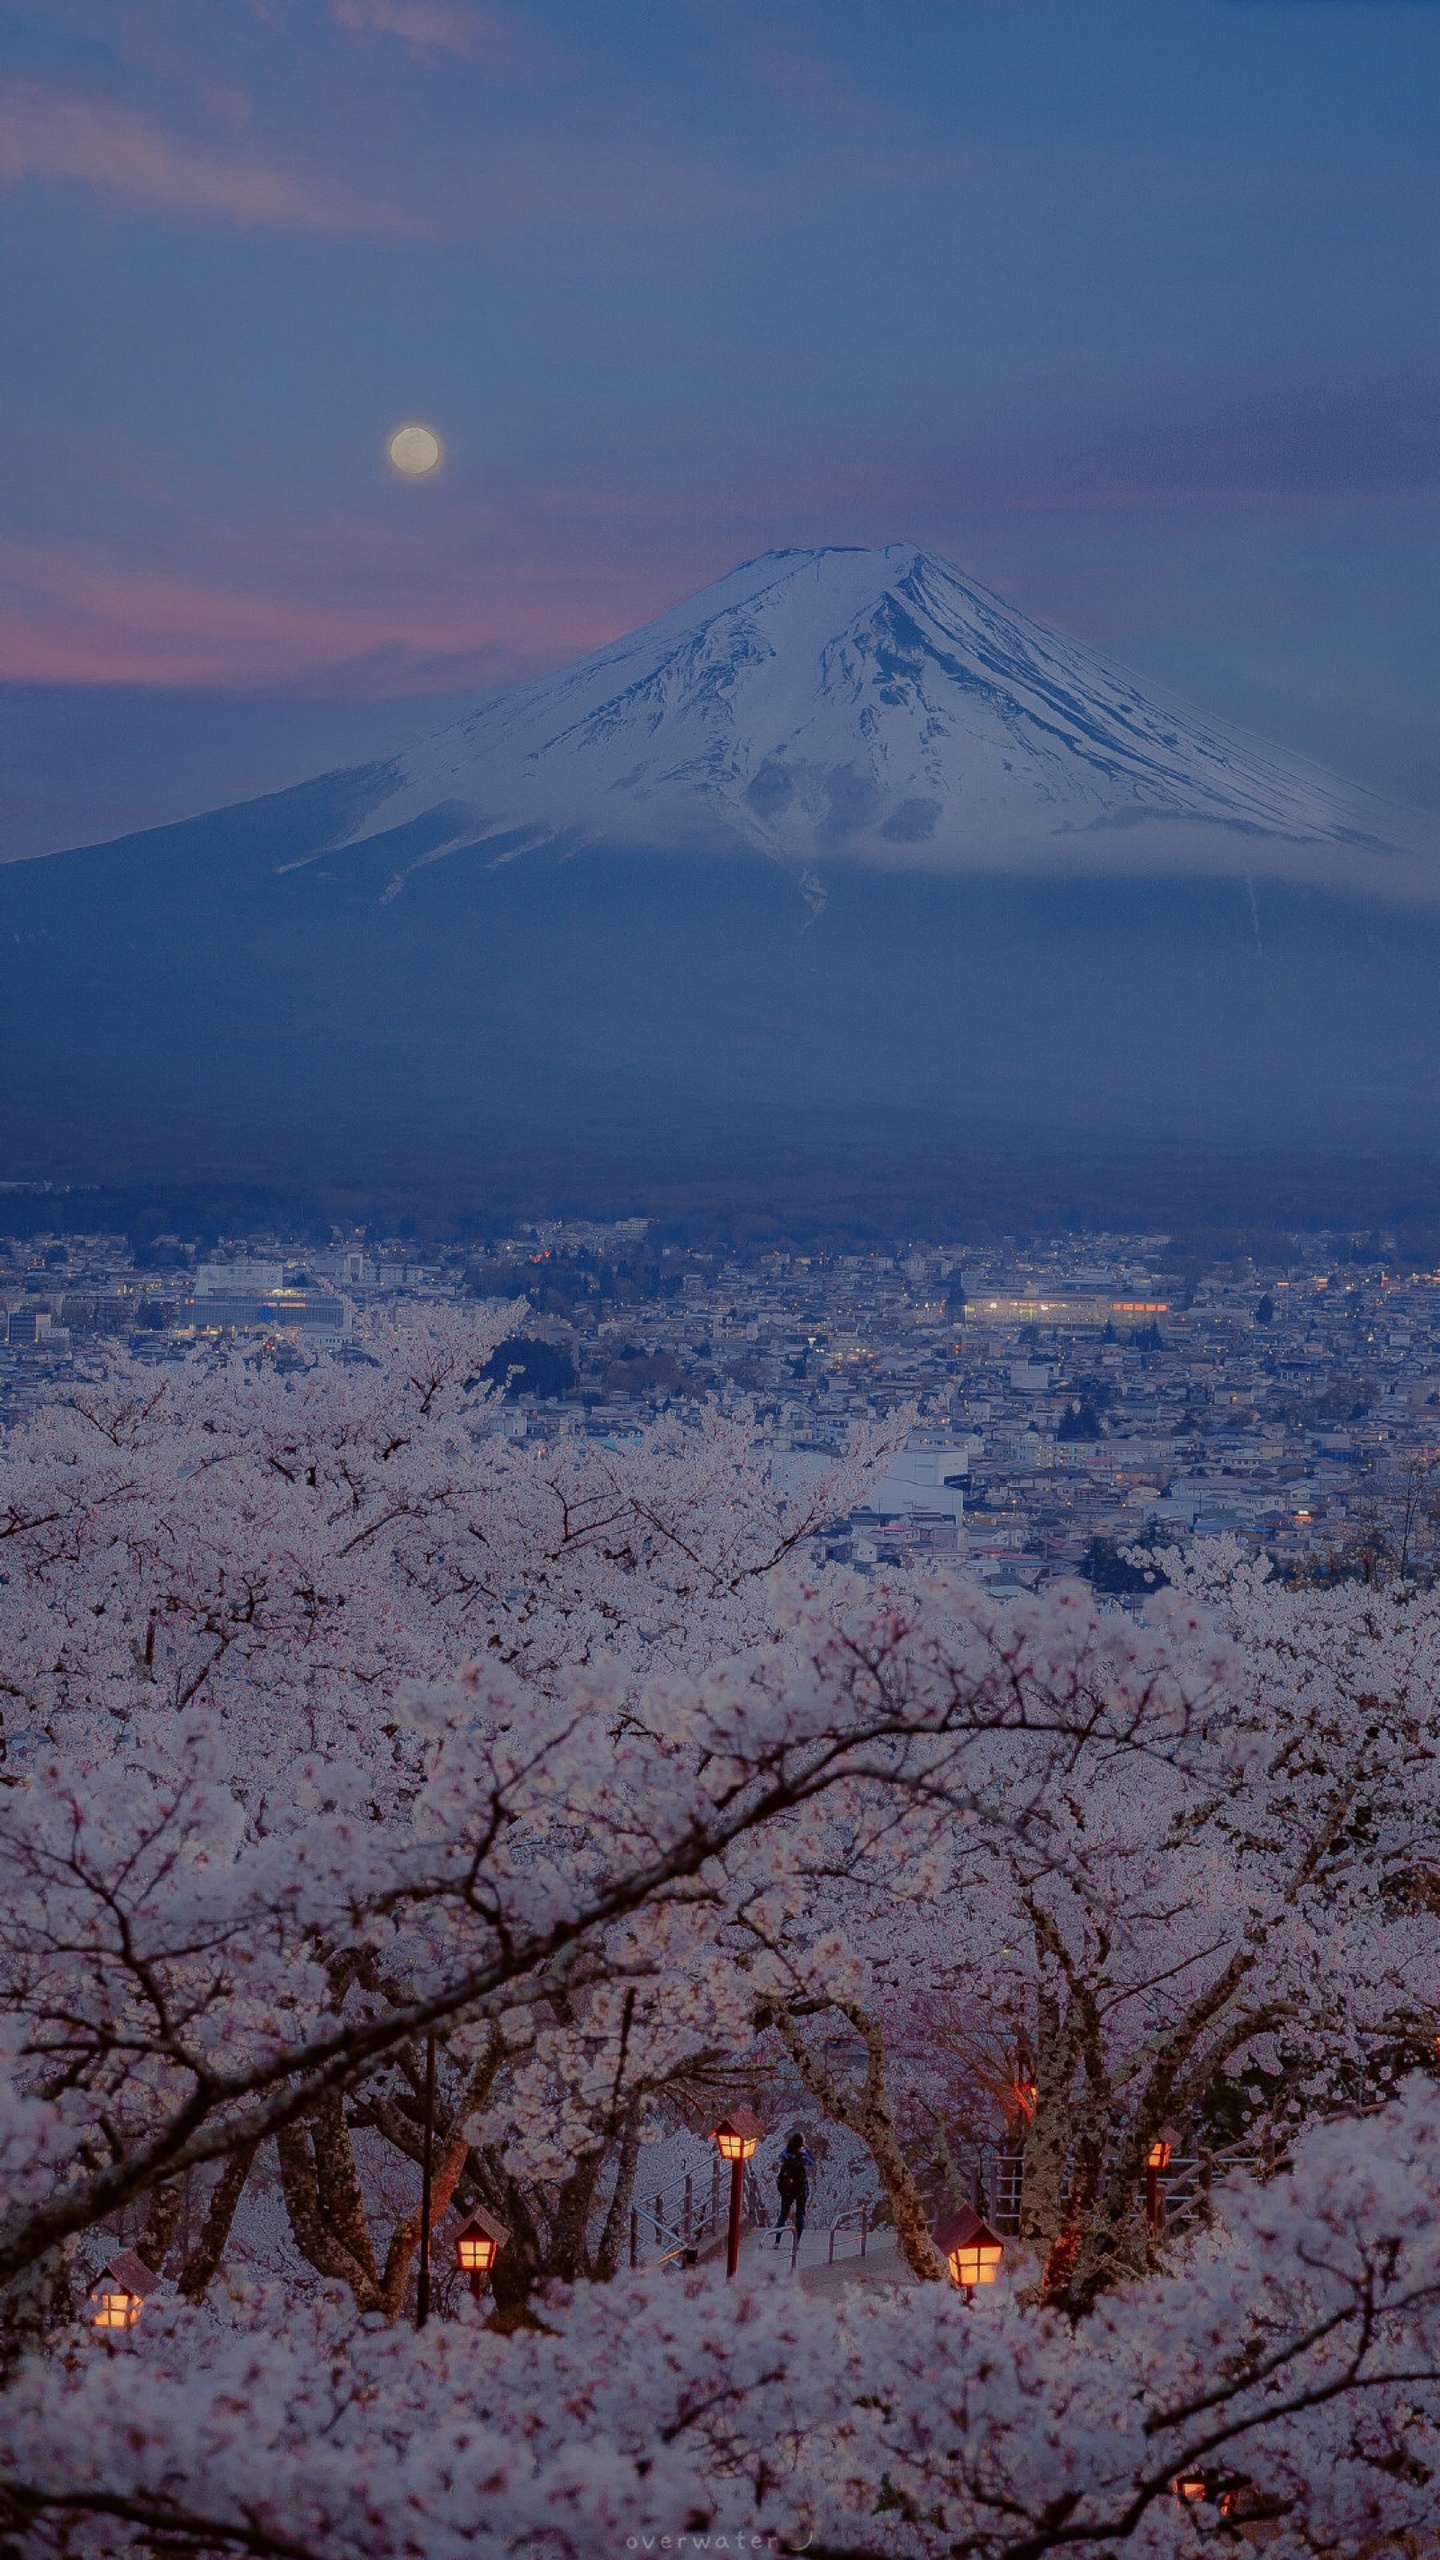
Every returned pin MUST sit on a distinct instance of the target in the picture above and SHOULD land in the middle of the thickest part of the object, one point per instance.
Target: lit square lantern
(737, 2137)
(117, 2310)
(969, 2248)
(736, 2141)
(117, 2296)
(478, 2244)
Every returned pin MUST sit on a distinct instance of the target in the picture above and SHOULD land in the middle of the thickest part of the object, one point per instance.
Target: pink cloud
(126, 155)
(74, 614)
(577, 172)
(495, 576)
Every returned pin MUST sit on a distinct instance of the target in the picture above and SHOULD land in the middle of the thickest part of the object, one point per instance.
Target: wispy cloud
(504, 571)
(493, 38)
(80, 614)
(129, 157)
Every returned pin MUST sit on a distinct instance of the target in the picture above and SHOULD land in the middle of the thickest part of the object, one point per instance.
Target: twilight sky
(1127, 306)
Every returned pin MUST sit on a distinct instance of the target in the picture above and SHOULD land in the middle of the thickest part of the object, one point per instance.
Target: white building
(238, 1279)
(923, 1480)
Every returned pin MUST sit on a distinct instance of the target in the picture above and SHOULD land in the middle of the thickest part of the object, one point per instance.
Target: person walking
(793, 2180)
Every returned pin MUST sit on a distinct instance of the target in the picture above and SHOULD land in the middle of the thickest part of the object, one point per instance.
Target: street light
(735, 2140)
(969, 2248)
(477, 2246)
(1157, 2160)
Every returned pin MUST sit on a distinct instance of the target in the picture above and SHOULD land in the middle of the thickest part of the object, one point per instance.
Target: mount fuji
(842, 865)
(873, 706)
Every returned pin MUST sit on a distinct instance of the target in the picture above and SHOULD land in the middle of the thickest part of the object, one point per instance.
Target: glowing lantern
(117, 2310)
(1190, 2488)
(735, 2140)
(477, 2246)
(1158, 2157)
(119, 2291)
(737, 2137)
(969, 2248)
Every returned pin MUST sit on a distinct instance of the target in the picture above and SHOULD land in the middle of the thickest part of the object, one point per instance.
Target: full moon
(414, 450)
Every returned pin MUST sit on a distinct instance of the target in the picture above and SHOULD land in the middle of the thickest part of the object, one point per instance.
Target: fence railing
(690, 2214)
(1186, 2186)
(859, 2218)
(996, 2182)
(993, 2178)
(689, 2220)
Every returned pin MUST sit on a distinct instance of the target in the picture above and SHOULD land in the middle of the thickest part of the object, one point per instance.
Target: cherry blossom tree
(294, 1547)
(1288, 2373)
(207, 1942)
(1230, 1924)
(247, 1567)
(337, 1721)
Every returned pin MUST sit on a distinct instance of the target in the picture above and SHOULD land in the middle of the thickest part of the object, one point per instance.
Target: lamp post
(427, 2165)
(1157, 2161)
(735, 2140)
(477, 2246)
(969, 2248)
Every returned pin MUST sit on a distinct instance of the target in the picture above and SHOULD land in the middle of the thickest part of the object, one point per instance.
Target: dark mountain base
(238, 1000)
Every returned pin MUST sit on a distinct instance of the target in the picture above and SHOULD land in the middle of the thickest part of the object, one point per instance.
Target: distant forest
(1213, 1205)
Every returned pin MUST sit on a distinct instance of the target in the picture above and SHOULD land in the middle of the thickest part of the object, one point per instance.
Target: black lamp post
(427, 2165)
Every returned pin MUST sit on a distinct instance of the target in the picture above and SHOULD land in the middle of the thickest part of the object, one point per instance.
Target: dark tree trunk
(203, 2264)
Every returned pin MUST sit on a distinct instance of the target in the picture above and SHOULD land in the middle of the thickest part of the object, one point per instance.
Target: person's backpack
(790, 2177)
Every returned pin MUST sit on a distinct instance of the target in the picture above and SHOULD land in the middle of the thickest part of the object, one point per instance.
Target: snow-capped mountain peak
(875, 706)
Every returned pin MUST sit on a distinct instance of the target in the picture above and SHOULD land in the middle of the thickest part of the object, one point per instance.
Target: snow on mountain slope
(873, 705)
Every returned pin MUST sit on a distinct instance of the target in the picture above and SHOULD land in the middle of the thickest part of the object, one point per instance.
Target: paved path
(881, 2264)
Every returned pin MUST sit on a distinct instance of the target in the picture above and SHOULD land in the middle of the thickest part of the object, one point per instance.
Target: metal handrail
(995, 2176)
(683, 2225)
(844, 2223)
(1188, 2183)
(685, 2222)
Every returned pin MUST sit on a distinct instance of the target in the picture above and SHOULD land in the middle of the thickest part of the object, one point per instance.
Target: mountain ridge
(876, 706)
